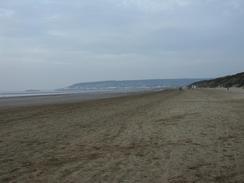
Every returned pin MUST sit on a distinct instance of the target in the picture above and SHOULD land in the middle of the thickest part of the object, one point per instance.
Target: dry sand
(171, 136)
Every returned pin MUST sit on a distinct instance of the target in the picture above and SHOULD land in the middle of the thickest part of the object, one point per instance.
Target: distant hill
(130, 85)
(236, 80)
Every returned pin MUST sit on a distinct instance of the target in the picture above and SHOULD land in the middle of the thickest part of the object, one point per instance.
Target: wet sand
(170, 136)
(9, 102)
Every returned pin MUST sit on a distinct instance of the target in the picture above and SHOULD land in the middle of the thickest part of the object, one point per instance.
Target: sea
(106, 87)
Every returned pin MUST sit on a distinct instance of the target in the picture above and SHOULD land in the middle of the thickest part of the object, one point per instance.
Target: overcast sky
(47, 44)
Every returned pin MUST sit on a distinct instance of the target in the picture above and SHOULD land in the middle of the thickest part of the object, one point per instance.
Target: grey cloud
(112, 39)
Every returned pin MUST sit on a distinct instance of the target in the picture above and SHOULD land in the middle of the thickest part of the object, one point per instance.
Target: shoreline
(52, 99)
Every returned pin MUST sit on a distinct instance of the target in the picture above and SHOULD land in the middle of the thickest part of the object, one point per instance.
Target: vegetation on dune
(236, 80)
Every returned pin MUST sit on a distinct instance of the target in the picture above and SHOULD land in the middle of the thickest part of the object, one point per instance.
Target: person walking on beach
(228, 88)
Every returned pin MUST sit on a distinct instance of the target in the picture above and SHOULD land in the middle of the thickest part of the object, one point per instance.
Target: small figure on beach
(193, 87)
(227, 86)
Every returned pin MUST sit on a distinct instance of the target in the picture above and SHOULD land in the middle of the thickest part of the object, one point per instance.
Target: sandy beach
(38, 100)
(169, 136)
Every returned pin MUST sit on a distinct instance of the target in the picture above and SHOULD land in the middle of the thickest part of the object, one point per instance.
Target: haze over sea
(106, 87)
